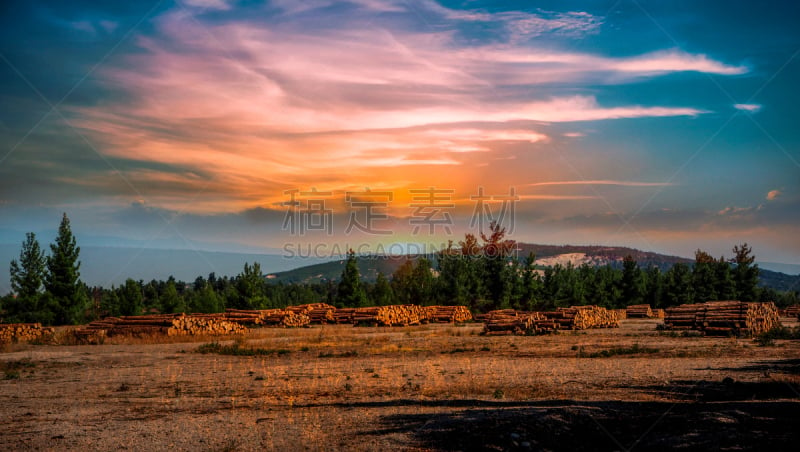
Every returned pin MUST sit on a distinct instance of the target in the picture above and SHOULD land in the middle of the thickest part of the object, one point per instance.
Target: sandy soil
(431, 387)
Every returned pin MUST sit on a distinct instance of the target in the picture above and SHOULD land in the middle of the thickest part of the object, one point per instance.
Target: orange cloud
(257, 108)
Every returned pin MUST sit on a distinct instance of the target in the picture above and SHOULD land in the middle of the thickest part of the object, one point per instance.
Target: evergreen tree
(27, 275)
(495, 251)
(171, 302)
(678, 285)
(422, 283)
(131, 298)
(531, 284)
(632, 282)
(62, 277)
(724, 287)
(250, 288)
(382, 294)
(205, 300)
(704, 277)
(654, 287)
(745, 274)
(402, 282)
(110, 303)
(350, 291)
(453, 284)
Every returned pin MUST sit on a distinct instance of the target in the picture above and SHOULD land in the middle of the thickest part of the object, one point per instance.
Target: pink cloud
(259, 106)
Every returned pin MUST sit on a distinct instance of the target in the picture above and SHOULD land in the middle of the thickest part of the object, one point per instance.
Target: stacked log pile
(22, 332)
(723, 318)
(167, 324)
(622, 314)
(509, 321)
(244, 316)
(448, 314)
(575, 318)
(271, 317)
(319, 313)
(344, 315)
(658, 313)
(584, 317)
(639, 311)
(793, 311)
(393, 315)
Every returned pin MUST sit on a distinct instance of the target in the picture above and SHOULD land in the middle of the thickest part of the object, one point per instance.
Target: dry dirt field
(430, 387)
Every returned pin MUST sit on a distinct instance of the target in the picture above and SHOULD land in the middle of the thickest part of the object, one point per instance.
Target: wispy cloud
(752, 108)
(773, 195)
(622, 183)
(295, 102)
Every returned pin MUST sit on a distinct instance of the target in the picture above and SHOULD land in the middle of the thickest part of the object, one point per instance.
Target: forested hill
(546, 255)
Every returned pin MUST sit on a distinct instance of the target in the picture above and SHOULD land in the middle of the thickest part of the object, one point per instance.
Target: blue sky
(666, 126)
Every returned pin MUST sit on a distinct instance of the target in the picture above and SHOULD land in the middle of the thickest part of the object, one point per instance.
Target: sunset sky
(664, 126)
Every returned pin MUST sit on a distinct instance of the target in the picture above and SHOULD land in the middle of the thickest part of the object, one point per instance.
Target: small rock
(515, 436)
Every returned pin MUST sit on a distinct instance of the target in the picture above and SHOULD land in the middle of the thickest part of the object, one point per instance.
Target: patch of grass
(635, 349)
(11, 369)
(768, 338)
(459, 350)
(238, 349)
(498, 394)
(348, 354)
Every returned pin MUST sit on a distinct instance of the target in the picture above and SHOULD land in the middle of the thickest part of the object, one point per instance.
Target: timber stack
(622, 314)
(393, 315)
(167, 324)
(723, 318)
(22, 332)
(270, 317)
(639, 311)
(344, 315)
(658, 313)
(509, 321)
(793, 311)
(584, 317)
(319, 313)
(448, 314)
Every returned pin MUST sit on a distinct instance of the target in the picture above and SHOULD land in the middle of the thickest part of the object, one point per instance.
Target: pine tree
(170, 300)
(704, 277)
(422, 283)
(350, 291)
(531, 284)
(453, 283)
(678, 285)
(27, 276)
(745, 274)
(382, 294)
(653, 287)
(724, 287)
(131, 298)
(62, 279)
(250, 286)
(632, 282)
(496, 250)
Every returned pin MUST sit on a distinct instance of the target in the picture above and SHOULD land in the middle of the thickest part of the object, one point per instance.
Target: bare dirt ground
(430, 387)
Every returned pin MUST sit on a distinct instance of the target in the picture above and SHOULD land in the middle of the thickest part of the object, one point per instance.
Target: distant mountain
(546, 255)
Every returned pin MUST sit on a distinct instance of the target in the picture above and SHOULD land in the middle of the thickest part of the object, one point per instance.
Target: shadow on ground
(646, 426)
(707, 416)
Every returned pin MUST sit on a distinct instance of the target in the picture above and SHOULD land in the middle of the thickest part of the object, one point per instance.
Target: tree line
(479, 272)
